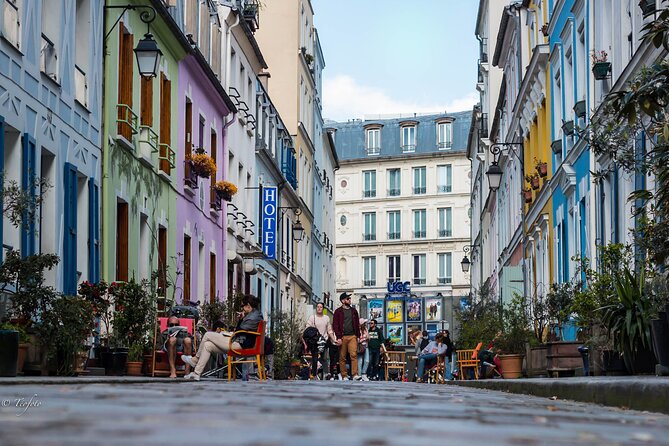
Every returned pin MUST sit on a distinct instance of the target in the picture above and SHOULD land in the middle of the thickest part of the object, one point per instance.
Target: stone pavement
(338, 413)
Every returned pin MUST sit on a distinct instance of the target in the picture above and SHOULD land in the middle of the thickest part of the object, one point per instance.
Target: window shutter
(28, 184)
(165, 123)
(70, 230)
(93, 232)
(146, 101)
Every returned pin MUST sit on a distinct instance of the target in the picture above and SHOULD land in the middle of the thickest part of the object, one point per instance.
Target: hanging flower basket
(202, 164)
(527, 195)
(224, 190)
(601, 70)
(542, 169)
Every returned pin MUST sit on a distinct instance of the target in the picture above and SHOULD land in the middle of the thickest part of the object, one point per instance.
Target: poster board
(394, 311)
(414, 310)
(375, 310)
(395, 333)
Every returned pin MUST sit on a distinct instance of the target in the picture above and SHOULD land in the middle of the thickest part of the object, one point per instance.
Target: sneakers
(192, 376)
(339, 376)
(357, 378)
(345, 378)
(364, 378)
(327, 377)
(188, 359)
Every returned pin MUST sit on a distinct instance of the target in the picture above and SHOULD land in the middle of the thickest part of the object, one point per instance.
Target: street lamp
(494, 175)
(298, 229)
(466, 263)
(147, 52)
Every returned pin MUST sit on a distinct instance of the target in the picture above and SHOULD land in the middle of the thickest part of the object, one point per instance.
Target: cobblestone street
(310, 413)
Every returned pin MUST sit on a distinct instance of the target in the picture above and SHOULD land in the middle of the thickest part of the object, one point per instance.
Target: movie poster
(433, 309)
(412, 332)
(375, 310)
(394, 311)
(414, 308)
(395, 334)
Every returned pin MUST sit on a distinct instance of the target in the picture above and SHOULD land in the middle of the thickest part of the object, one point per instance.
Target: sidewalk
(649, 393)
(56, 380)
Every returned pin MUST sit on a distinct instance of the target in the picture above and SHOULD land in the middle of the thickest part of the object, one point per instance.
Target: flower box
(647, 7)
(556, 146)
(527, 195)
(542, 169)
(568, 127)
(579, 109)
(601, 70)
(535, 183)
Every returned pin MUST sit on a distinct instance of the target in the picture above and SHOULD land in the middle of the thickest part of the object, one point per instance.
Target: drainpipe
(228, 49)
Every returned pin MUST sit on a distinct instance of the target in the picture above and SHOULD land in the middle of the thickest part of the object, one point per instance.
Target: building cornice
(401, 243)
(377, 159)
(532, 91)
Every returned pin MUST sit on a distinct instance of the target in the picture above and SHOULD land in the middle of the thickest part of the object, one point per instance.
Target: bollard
(585, 355)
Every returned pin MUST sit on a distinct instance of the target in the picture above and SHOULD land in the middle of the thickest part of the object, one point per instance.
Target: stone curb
(21, 381)
(641, 394)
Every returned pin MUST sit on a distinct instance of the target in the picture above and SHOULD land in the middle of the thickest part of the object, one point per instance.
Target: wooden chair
(393, 360)
(438, 372)
(254, 355)
(468, 359)
(160, 365)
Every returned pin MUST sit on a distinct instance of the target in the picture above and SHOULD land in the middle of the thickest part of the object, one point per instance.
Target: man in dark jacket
(222, 342)
(346, 325)
(374, 345)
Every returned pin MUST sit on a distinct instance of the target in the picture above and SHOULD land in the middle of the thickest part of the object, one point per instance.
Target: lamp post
(494, 174)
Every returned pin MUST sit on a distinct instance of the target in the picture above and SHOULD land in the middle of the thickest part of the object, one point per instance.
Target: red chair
(254, 355)
(160, 362)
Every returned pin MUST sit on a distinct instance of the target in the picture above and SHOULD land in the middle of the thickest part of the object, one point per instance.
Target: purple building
(204, 111)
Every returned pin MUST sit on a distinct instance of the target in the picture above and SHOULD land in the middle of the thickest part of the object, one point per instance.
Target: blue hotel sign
(269, 211)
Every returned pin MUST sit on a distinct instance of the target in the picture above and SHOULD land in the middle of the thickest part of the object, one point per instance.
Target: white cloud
(344, 98)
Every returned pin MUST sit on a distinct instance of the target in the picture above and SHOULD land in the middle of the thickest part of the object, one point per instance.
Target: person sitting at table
(429, 354)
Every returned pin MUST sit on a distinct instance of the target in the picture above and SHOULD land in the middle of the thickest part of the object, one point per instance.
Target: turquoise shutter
(70, 230)
(28, 184)
(93, 232)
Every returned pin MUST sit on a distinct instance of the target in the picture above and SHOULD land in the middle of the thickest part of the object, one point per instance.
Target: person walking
(375, 336)
(322, 323)
(363, 351)
(346, 325)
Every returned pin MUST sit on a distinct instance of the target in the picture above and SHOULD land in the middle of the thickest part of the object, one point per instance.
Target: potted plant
(201, 164)
(527, 195)
(514, 337)
(647, 7)
(533, 179)
(135, 357)
(212, 312)
(225, 190)
(568, 127)
(600, 64)
(541, 167)
(24, 343)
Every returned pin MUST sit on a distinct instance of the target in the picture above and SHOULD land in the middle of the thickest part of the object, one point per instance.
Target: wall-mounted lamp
(466, 263)
(298, 229)
(494, 172)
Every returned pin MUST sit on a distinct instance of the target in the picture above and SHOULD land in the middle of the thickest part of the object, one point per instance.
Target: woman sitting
(429, 354)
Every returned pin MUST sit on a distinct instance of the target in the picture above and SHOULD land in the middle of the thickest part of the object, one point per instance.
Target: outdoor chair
(254, 355)
(160, 365)
(437, 373)
(468, 359)
(393, 360)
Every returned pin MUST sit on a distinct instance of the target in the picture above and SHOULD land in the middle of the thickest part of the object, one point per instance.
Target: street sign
(269, 211)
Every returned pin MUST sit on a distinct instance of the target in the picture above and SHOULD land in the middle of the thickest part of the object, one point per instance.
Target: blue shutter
(70, 230)
(2, 172)
(93, 232)
(28, 184)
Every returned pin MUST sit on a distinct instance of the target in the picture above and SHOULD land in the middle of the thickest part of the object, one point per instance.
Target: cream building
(403, 200)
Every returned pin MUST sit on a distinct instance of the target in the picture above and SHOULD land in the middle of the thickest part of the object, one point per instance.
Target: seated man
(430, 353)
(213, 342)
(176, 339)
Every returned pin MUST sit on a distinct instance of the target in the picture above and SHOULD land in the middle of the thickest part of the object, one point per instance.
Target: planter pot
(601, 70)
(134, 368)
(556, 146)
(612, 363)
(23, 354)
(579, 109)
(512, 366)
(568, 128)
(542, 169)
(527, 195)
(9, 352)
(647, 7)
(535, 183)
(660, 336)
(537, 363)
(114, 361)
(640, 362)
(563, 357)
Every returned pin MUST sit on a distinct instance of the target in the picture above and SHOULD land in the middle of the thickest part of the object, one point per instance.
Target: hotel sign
(269, 211)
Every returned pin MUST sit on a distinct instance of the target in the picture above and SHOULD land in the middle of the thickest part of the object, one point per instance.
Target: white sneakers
(357, 378)
(192, 377)
(188, 359)
(364, 378)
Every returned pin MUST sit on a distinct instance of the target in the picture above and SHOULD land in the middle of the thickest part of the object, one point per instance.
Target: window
(373, 144)
(419, 181)
(419, 223)
(419, 269)
(394, 268)
(394, 228)
(369, 266)
(394, 185)
(444, 136)
(369, 219)
(122, 242)
(82, 51)
(444, 179)
(369, 181)
(445, 268)
(11, 13)
(50, 45)
(445, 222)
(409, 139)
(125, 75)
(187, 268)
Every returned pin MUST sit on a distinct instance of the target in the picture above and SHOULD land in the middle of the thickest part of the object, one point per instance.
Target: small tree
(515, 326)
(559, 301)
(479, 321)
(286, 332)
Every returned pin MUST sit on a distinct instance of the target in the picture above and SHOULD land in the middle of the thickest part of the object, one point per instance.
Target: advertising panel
(433, 308)
(394, 311)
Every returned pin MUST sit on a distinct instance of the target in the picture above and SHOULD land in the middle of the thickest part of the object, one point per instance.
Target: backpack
(311, 336)
(424, 342)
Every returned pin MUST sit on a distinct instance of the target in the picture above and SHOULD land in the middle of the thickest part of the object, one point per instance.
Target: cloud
(344, 98)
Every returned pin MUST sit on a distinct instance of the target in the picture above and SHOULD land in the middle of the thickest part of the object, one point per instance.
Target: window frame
(396, 225)
(369, 180)
(420, 189)
(420, 217)
(369, 222)
(369, 271)
(445, 144)
(408, 132)
(445, 218)
(445, 265)
(375, 135)
(419, 266)
(447, 176)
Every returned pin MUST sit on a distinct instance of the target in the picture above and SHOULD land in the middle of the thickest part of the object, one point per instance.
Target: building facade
(403, 203)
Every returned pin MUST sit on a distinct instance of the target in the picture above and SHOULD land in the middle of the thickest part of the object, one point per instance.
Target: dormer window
(373, 139)
(444, 134)
(408, 129)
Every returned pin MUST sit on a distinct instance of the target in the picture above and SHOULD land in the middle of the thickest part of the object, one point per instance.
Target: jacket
(376, 339)
(338, 322)
(248, 323)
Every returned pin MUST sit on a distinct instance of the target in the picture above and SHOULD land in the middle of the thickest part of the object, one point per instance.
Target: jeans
(373, 366)
(363, 362)
(448, 375)
(421, 363)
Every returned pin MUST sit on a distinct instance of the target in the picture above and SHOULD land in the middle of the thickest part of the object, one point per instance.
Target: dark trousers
(314, 359)
(373, 367)
(333, 351)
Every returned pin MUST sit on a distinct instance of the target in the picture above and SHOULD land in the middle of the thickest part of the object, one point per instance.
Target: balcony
(417, 281)
(373, 150)
(393, 192)
(408, 148)
(419, 234)
(369, 193)
(421, 190)
(250, 13)
(444, 145)
(11, 30)
(126, 121)
(369, 282)
(442, 189)
(166, 158)
(369, 237)
(393, 236)
(444, 280)
(80, 86)
(445, 233)
(148, 144)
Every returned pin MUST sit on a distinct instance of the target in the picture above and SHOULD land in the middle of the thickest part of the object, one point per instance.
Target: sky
(392, 56)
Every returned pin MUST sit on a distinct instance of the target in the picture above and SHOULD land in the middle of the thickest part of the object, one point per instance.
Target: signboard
(269, 211)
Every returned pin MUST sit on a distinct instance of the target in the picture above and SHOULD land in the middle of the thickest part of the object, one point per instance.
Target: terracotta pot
(528, 196)
(23, 353)
(148, 365)
(542, 169)
(535, 183)
(512, 366)
(134, 368)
